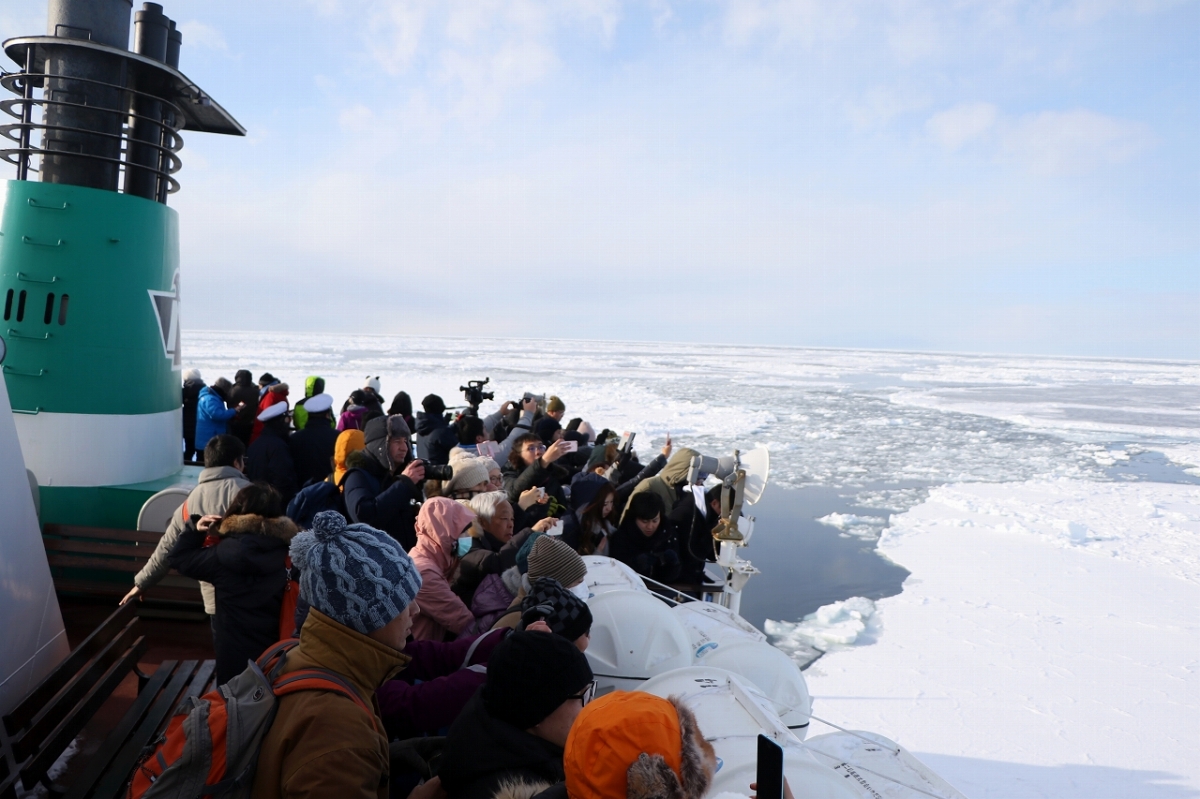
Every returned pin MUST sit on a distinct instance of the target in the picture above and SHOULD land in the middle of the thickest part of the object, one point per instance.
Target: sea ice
(862, 526)
(1047, 643)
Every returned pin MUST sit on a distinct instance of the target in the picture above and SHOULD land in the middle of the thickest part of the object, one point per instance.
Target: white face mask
(581, 591)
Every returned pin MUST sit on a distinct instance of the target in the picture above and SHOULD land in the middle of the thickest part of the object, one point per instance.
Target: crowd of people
(440, 572)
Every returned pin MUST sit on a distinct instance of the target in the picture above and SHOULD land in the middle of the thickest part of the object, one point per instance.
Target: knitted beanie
(530, 674)
(523, 552)
(550, 557)
(571, 616)
(433, 404)
(554, 404)
(468, 472)
(356, 575)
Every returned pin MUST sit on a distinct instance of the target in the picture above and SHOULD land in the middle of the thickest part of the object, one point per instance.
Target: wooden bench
(80, 556)
(50, 717)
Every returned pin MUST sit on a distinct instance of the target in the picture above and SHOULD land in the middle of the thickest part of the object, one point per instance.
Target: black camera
(442, 473)
(474, 393)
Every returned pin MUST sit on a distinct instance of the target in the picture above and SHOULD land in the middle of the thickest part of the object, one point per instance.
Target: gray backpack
(210, 747)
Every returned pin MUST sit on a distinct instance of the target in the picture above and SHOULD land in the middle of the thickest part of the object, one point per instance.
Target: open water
(855, 436)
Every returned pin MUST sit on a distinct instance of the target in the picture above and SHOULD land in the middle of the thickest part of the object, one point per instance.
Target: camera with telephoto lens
(442, 473)
(474, 393)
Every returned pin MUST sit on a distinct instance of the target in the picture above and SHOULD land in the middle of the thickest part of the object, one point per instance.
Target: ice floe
(1046, 644)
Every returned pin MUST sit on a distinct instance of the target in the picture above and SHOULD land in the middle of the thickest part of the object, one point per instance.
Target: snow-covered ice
(1047, 643)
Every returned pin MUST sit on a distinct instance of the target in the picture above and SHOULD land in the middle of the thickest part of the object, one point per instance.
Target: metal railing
(124, 117)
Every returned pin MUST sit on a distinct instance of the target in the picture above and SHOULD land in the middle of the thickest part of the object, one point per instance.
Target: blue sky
(965, 176)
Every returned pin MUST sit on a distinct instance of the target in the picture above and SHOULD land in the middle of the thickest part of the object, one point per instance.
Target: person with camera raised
(435, 436)
(531, 464)
(382, 486)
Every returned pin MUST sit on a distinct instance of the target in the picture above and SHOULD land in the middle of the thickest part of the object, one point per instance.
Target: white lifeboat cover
(605, 574)
(634, 637)
(731, 713)
(773, 673)
(710, 625)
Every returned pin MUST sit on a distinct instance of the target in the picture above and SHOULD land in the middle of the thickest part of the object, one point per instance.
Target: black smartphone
(770, 769)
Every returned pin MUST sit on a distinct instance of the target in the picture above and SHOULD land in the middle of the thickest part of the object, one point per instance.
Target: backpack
(312, 499)
(210, 747)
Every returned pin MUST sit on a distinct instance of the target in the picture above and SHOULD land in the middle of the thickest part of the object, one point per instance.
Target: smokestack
(88, 115)
(174, 42)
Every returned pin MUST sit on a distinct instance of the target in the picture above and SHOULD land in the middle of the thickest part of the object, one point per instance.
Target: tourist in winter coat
(666, 484)
(312, 448)
(515, 728)
(268, 459)
(635, 745)
(495, 550)
(435, 436)
(192, 383)
(247, 569)
(271, 395)
(644, 540)
(212, 417)
(362, 588)
(543, 556)
(219, 483)
(402, 406)
(382, 486)
(592, 521)
(531, 465)
(348, 442)
(243, 395)
(435, 687)
(440, 525)
(313, 386)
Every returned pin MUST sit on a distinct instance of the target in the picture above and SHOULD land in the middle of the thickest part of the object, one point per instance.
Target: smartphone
(572, 446)
(627, 441)
(541, 494)
(770, 769)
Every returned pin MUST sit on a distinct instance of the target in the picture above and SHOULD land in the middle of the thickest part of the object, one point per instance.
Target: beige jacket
(218, 486)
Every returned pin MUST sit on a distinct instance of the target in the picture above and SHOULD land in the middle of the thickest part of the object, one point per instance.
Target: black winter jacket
(384, 501)
(312, 451)
(247, 569)
(269, 460)
(435, 438)
(483, 751)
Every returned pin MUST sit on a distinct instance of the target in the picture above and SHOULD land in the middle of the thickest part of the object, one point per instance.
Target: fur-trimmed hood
(280, 527)
(637, 745)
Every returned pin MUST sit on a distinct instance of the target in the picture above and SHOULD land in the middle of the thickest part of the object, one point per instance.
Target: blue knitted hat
(356, 575)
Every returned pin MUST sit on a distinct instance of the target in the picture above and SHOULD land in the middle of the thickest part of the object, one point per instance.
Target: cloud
(197, 34)
(880, 105)
(961, 124)
(787, 21)
(1072, 142)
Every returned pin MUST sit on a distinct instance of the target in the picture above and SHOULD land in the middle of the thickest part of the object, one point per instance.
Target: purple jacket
(445, 680)
(491, 601)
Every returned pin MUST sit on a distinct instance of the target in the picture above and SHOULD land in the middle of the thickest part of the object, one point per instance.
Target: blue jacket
(212, 416)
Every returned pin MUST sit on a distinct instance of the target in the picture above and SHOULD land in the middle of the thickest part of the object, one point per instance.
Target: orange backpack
(210, 747)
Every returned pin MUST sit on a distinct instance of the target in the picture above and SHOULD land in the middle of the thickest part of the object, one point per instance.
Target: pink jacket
(439, 525)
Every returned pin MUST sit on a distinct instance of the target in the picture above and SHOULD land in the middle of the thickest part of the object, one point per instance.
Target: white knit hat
(467, 474)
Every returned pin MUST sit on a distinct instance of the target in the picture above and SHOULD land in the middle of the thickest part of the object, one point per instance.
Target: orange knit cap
(610, 733)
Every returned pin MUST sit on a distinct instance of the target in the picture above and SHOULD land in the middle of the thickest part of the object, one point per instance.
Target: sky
(991, 176)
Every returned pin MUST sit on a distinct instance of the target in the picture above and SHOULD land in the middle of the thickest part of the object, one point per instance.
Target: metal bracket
(34, 412)
(19, 334)
(35, 204)
(8, 370)
(28, 279)
(28, 240)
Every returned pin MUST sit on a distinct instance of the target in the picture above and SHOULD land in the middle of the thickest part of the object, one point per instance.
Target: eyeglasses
(536, 448)
(587, 695)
